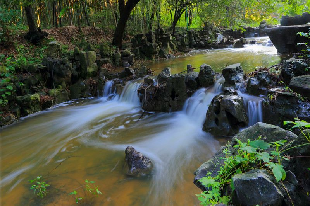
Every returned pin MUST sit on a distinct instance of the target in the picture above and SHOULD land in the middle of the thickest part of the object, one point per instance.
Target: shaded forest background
(130, 17)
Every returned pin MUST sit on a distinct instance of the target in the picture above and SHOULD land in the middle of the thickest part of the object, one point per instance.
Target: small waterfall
(177, 145)
(108, 88)
(255, 112)
(196, 106)
(254, 108)
(130, 93)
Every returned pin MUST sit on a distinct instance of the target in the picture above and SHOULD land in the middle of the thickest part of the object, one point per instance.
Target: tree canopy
(140, 16)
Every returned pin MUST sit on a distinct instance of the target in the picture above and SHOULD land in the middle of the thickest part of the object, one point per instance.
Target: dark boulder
(295, 20)
(164, 75)
(258, 84)
(301, 85)
(285, 38)
(191, 79)
(256, 187)
(293, 67)
(206, 76)
(225, 116)
(59, 72)
(127, 72)
(168, 95)
(233, 74)
(137, 163)
(283, 105)
(239, 43)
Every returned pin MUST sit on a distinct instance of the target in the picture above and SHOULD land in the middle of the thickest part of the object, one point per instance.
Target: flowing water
(254, 108)
(251, 56)
(86, 140)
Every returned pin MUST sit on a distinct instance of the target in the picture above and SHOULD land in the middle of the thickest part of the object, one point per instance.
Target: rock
(59, 72)
(117, 58)
(281, 106)
(29, 104)
(254, 184)
(258, 84)
(79, 90)
(268, 133)
(225, 116)
(88, 66)
(239, 43)
(59, 95)
(295, 20)
(164, 75)
(212, 166)
(138, 164)
(169, 95)
(285, 39)
(191, 79)
(53, 49)
(233, 74)
(301, 85)
(256, 187)
(206, 76)
(149, 80)
(128, 72)
(293, 67)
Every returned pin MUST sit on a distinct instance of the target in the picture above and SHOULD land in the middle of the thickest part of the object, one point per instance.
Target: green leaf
(278, 171)
(260, 144)
(207, 181)
(249, 149)
(264, 156)
(275, 153)
(73, 193)
(9, 87)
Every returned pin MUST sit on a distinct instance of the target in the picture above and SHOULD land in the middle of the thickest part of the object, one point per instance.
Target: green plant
(301, 125)
(250, 155)
(39, 187)
(89, 188)
(306, 51)
(6, 83)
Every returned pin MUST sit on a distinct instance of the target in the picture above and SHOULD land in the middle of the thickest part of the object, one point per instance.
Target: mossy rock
(29, 103)
(60, 95)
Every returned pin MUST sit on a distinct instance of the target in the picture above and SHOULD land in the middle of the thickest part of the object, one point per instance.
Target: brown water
(86, 140)
(250, 57)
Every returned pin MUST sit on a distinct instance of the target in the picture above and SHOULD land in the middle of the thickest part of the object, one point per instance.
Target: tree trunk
(119, 31)
(177, 15)
(124, 11)
(31, 23)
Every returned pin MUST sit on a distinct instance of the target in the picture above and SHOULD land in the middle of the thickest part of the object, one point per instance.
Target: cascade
(174, 147)
(254, 108)
(108, 88)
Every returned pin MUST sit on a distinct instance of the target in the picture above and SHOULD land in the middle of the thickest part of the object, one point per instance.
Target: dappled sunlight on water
(250, 57)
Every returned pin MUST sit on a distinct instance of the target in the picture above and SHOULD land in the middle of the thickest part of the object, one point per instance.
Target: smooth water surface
(68, 145)
(250, 57)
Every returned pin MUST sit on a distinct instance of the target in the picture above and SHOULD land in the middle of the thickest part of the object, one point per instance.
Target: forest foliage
(148, 14)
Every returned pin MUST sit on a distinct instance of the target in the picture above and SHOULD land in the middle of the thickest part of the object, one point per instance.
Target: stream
(86, 139)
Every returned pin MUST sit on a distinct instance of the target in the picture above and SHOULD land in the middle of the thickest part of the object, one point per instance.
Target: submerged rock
(226, 115)
(137, 163)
